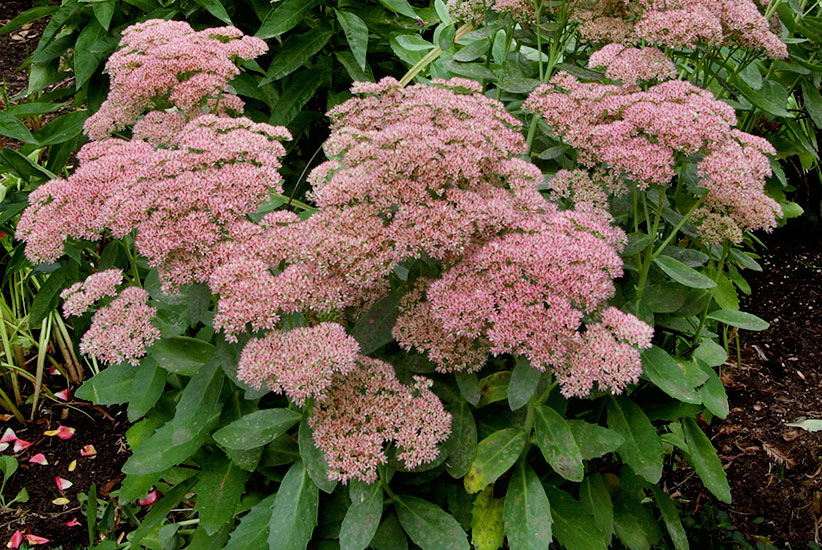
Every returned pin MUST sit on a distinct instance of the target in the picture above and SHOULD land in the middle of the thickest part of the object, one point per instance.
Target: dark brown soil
(17, 45)
(775, 471)
(104, 429)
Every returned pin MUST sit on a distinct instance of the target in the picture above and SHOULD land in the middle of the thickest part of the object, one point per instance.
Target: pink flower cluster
(641, 133)
(122, 330)
(368, 408)
(632, 66)
(300, 363)
(474, 10)
(581, 186)
(81, 295)
(678, 23)
(166, 64)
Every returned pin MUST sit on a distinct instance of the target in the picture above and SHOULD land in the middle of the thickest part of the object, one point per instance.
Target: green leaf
(103, 12)
(670, 516)
(446, 36)
(27, 17)
(111, 386)
(256, 429)
(641, 449)
(390, 535)
(252, 532)
(92, 44)
(739, 319)
(725, 293)
(523, 384)
(711, 353)
(429, 526)
(813, 101)
(363, 517)
(314, 459)
(201, 540)
(664, 297)
(527, 511)
(596, 500)
(181, 354)
(198, 400)
(215, 8)
(683, 274)
(356, 33)
(356, 74)
(475, 71)
(294, 514)
(295, 95)
(284, 16)
(400, 6)
(493, 388)
(161, 509)
(665, 373)
(13, 128)
(373, 329)
(47, 297)
(295, 51)
(767, 99)
(634, 524)
(147, 387)
(702, 457)
(473, 51)
(461, 445)
(469, 386)
(495, 455)
(573, 527)
(487, 529)
(8, 465)
(637, 242)
(61, 129)
(557, 443)
(23, 166)
(221, 485)
(713, 393)
(594, 440)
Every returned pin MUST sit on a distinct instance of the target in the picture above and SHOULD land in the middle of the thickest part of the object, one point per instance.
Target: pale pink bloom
(633, 66)
(122, 330)
(81, 295)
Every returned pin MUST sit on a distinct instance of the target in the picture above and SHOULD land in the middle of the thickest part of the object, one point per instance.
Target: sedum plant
(499, 320)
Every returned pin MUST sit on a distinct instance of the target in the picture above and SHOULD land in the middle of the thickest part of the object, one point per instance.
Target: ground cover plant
(494, 318)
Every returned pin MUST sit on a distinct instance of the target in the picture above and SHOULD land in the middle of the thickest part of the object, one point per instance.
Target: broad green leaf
(181, 354)
(702, 457)
(446, 36)
(813, 101)
(161, 509)
(390, 535)
(314, 459)
(199, 399)
(221, 485)
(713, 393)
(523, 384)
(346, 59)
(664, 297)
(461, 445)
(63, 14)
(641, 449)
(294, 514)
(91, 46)
(809, 424)
(683, 274)
(23, 166)
(295, 51)
(47, 297)
(557, 443)
(284, 16)
(414, 43)
(594, 440)
(356, 33)
(216, 8)
(495, 455)
(62, 128)
(110, 386)
(527, 512)
(473, 51)
(744, 260)
(13, 128)
(363, 517)
(595, 498)
(725, 293)
(475, 71)
(670, 516)
(147, 387)
(634, 524)
(574, 528)
(637, 242)
(373, 329)
(252, 532)
(299, 91)
(493, 388)
(137, 486)
(256, 429)
(247, 460)
(103, 12)
(711, 353)
(487, 529)
(769, 99)
(665, 373)
(469, 386)
(400, 6)
(429, 526)
(8, 465)
(201, 540)
(442, 11)
(27, 17)
(746, 321)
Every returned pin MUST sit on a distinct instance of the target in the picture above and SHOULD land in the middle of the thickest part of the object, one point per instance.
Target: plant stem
(678, 226)
(646, 263)
(431, 56)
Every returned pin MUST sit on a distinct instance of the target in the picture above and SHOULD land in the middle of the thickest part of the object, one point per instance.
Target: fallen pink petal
(15, 540)
(72, 523)
(150, 498)
(62, 483)
(3, 447)
(34, 540)
(62, 395)
(53, 371)
(8, 436)
(88, 450)
(40, 459)
(63, 432)
(21, 444)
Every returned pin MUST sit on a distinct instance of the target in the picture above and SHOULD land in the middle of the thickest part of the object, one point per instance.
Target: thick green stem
(678, 226)
(646, 263)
